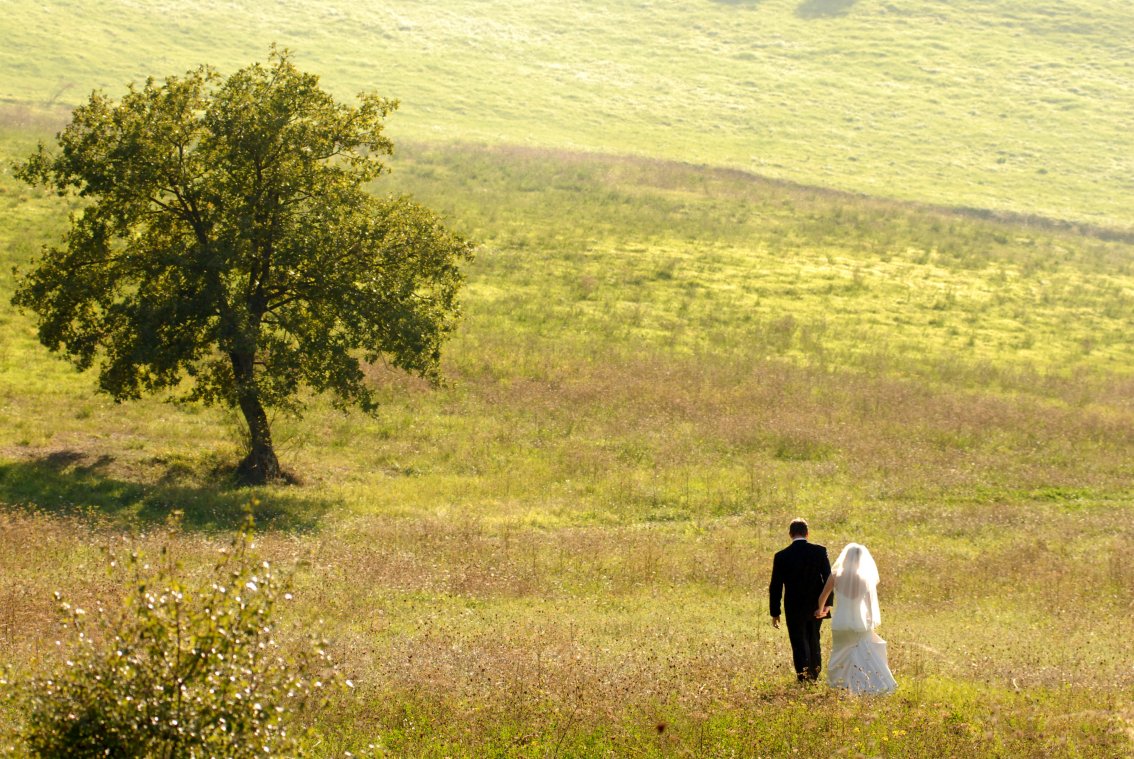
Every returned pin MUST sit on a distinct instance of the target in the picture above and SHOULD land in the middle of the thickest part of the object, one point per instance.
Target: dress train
(858, 663)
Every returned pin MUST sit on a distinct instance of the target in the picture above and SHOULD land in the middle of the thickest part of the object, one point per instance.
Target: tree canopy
(228, 247)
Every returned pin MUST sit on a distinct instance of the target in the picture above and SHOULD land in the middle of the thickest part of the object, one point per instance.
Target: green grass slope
(1011, 105)
(564, 552)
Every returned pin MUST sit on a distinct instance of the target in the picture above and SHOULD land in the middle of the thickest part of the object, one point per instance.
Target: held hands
(822, 612)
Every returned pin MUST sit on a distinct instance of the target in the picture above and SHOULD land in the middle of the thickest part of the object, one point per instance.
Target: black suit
(798, 575)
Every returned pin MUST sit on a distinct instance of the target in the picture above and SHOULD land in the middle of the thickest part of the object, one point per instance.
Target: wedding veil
(856, 578)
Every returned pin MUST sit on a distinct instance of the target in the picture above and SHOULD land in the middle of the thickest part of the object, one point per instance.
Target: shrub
(176, 672)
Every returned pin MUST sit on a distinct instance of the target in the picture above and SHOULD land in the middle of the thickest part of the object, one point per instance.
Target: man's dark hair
(798, 528)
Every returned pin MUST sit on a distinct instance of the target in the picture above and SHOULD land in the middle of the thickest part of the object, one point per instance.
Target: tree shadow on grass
(824, 8)
(71, 483)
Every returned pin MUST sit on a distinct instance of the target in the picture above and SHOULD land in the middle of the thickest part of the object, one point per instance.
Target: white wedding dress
(858, 660)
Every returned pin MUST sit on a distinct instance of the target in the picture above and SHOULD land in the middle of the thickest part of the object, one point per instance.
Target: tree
(228, 248)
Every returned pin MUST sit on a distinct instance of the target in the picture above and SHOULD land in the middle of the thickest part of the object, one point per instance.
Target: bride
(858, 655)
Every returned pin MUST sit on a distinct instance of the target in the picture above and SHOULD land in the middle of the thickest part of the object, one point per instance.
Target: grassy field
(740, 260)
(1013, 105)
(564, 552)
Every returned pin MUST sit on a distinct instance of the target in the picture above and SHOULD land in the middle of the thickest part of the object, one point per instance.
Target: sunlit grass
(564, 551)
(1014, 105)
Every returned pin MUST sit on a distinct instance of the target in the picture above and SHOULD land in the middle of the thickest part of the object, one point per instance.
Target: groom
(799, 573)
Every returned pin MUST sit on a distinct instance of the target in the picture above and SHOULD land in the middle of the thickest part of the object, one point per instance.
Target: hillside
(1010, 105)
(660, 366)
(685, 325)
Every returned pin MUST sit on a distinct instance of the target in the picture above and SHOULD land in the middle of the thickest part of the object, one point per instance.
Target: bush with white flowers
(177, 671)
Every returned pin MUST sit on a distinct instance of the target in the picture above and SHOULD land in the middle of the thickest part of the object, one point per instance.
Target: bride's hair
(856, 576)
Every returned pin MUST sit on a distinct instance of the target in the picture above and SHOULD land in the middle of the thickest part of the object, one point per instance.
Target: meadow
(738, 260)
(1013, 105)
(564, 550)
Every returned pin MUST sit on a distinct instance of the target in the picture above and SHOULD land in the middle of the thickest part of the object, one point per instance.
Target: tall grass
(564, 551)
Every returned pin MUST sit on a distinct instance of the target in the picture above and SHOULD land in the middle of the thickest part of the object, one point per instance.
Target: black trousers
(803, 632)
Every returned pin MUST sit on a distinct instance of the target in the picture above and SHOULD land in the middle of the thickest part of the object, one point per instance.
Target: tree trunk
(260, 465)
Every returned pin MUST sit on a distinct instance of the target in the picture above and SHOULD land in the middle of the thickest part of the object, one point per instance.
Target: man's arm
(775, 590)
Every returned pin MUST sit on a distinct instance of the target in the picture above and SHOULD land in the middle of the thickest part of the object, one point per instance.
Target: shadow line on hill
(739, 3)
(824, 8)
(70, 483)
